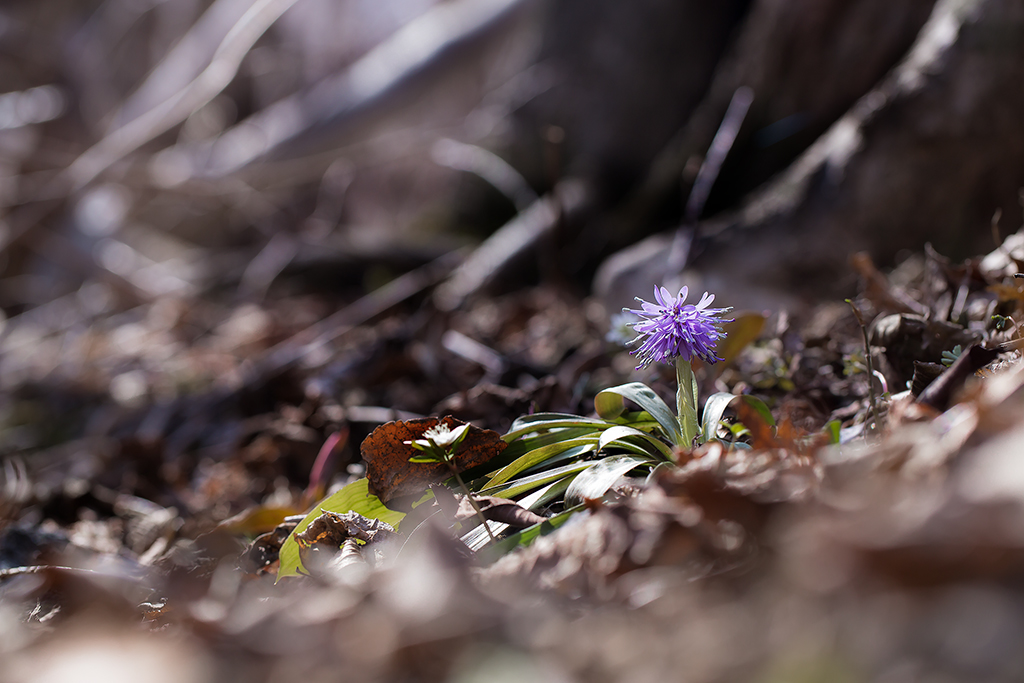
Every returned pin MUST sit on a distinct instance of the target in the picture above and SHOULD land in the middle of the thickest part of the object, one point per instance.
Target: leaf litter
(864, 553)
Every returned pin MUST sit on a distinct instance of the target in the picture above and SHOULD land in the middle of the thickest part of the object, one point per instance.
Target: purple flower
(673, 329)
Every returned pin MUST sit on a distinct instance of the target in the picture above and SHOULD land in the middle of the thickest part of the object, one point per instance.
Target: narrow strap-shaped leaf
(546, 429)
(609, 404)
(644, 424)
(621, 432)
(661, 467)
(761, 407)
(526, 536)
(714, 410)
(595, 481)
(615, 433)
(542, 421)
(629, 445)
(533, 418)
(520, 447)
(716, 406)
(536, 457)
(551, 492)
(476, 538)
(572, 455)
(518, 487)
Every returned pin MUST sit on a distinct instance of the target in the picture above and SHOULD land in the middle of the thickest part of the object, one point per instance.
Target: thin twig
(469, 497)
(172, 111)
(871, 367)
(689, 232)
(719, 150)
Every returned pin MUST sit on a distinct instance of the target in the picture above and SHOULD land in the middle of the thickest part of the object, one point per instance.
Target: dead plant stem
(872, 397)
(469, 497)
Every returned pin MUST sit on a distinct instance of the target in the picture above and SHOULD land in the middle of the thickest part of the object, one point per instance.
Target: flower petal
(672, 328)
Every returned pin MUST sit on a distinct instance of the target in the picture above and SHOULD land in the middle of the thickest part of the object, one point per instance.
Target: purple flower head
(674, 329)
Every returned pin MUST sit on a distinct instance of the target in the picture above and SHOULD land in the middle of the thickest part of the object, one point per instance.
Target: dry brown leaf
(387, 455)
(328, 533)
(499, 510)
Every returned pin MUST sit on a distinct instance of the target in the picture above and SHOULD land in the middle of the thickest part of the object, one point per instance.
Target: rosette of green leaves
(556, 457)
(558, 460)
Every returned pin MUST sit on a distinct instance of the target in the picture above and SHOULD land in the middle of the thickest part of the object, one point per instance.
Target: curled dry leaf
(908, 338)
(499, 510)
(939, 393)
(330, 531)
(877, 288)
(389, 471)
(264, 549)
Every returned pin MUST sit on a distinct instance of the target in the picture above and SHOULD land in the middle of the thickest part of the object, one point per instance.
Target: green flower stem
(686, 401)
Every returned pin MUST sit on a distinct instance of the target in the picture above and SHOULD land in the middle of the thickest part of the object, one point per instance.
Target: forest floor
(874, 534)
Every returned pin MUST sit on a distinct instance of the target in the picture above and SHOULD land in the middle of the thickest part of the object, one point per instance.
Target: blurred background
(171, 143)
(210, 209)
(212, 197)
(183, 148)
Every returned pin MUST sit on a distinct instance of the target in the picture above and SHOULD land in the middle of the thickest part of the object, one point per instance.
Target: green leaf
(761, 407)
(352, 498)
(716, 406)
(714, 410)
(528, 424)
(477, 537)
(595, 481)
(549, 493)
(738, 430)
(537, 457)
(616, 433)
(661, 467)
(523, 445)
(641, 420)
(526, 536)
(518, 487)
(572, 456)
(620, 433)
(609, 405)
